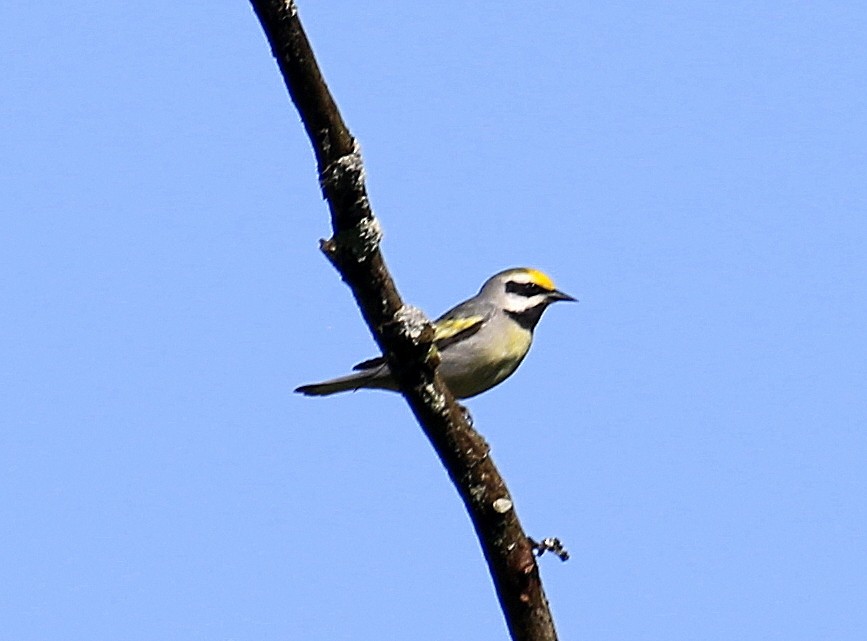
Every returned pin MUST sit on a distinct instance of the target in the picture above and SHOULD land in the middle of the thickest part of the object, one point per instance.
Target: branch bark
(403, 333)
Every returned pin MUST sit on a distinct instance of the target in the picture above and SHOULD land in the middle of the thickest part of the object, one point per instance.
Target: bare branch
(403, 333)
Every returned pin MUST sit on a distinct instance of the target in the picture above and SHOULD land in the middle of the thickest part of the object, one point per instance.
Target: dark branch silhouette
(403, 333)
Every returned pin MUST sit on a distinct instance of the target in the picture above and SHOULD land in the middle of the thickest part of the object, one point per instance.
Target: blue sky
(693, 429)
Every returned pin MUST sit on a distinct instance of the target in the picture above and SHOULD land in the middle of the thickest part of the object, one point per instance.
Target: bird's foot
(466, 412)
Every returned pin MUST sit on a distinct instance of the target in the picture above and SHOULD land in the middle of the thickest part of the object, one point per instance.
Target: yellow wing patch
(450, 327)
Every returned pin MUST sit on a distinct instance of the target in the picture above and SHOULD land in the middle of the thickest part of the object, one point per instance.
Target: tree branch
(403, 333)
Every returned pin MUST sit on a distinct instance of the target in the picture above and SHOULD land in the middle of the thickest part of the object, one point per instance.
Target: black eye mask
(525, 289)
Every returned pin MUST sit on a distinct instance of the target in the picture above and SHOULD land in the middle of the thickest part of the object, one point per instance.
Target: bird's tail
(378, 378)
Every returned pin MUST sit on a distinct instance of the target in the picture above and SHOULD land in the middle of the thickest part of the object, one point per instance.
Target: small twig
(550, 544)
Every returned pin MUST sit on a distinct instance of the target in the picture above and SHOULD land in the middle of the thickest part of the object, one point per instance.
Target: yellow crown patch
(541, 279)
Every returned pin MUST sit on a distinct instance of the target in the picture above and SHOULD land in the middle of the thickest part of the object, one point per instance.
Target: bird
(481, 341)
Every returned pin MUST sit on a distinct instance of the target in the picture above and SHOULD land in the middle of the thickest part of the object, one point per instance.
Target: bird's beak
(558, 295)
